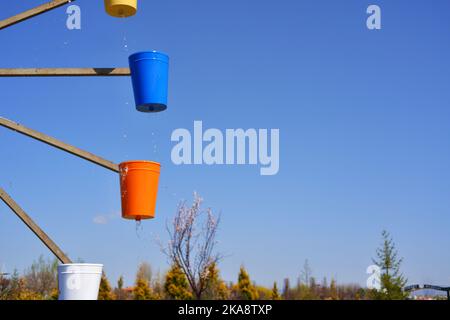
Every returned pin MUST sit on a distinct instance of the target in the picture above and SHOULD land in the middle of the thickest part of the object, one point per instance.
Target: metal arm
(34, 227)
(59, 144)
(32, 13)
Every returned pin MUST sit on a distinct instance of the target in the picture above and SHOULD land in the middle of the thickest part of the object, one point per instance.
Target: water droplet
(139, 229)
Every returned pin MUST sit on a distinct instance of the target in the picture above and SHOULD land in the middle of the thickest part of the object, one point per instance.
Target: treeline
(194, 272)
(39, 282)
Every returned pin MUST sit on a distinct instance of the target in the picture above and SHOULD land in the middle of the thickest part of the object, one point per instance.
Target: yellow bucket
(121, 8)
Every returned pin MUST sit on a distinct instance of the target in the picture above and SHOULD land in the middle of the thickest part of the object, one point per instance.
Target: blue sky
(363, 118)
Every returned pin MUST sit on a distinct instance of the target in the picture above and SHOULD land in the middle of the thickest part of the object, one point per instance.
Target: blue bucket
(150, 77)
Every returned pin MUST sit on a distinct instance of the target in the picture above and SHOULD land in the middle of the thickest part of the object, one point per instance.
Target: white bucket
(79, 281)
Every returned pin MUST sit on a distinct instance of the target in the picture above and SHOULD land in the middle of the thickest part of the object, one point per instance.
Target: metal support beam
(65, 72)
(59, 144)
(33, 12)
(34, 227)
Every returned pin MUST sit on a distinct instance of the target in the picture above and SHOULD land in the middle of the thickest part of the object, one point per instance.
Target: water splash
(139, 229)
(144, 238)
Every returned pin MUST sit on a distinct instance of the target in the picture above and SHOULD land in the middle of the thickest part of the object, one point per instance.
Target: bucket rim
(140, 161)
(151, 107)
(152, 54)
(141, 216)
(80, 265)
(131, 7)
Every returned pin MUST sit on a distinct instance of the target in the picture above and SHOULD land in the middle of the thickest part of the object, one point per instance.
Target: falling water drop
(125, 44)
(139, 229)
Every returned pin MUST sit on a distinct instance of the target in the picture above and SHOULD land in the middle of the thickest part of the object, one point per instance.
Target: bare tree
(41, 277)
(306, 273)
(192, 243)
(145, 272)
(5, 287)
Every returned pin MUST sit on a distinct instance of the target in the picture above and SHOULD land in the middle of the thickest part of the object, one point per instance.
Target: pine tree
(141, 290)
(275, 294)
(391, 279)
(142, 287)
(333, 290)
(176, 285)
(119, 292)
(216, 288)
(245, 288)
(105, 291)
(26, 294)
(263, 293)
(120, 283)
(312, 289)
(287, 290)
(54, 295)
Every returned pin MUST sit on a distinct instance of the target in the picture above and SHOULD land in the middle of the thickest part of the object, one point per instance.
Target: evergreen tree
(312, 295)
(333, 290)
(263, 293)
(275, 293)
(287, 290)
(324, 290)
(119, 292)
(141, 290)
(176, 285)
(120, 283)
(54, 295)
(245, 288)
(105, 291)
(391, 279)
(216, 288)
(26, 294)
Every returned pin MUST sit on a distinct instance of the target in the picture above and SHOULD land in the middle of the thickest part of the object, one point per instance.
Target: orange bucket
(139, 189)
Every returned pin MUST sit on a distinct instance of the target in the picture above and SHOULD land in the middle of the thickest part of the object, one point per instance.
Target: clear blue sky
(363, 118)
